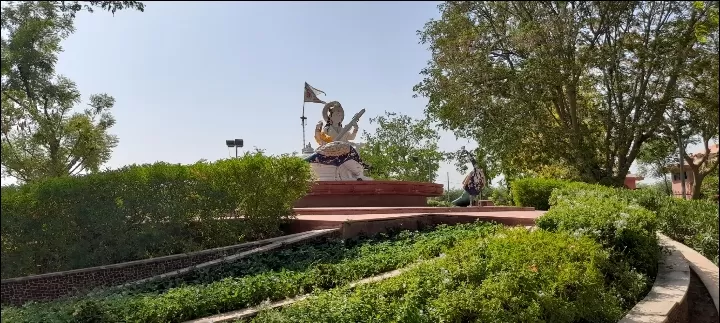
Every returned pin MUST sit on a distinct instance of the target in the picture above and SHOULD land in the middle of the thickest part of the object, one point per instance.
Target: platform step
(403, 210)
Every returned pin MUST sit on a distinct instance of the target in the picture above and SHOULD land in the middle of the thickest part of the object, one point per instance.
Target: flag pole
(302, 119)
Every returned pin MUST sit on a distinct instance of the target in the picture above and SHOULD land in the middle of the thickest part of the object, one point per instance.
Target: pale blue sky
(188, 75)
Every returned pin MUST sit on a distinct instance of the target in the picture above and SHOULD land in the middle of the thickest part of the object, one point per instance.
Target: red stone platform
(371, 220)
(369, 194)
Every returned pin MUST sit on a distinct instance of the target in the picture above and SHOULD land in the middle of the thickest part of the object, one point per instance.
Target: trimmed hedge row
(534, 192)
(690, 222)
(144, 211)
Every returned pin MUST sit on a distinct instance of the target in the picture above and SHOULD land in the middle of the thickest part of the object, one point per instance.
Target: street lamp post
(237, 143)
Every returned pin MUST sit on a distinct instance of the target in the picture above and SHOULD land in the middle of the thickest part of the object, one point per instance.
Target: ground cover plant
(265, 277)
(513, 275)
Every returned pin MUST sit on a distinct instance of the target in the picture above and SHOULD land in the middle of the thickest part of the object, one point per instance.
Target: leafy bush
(710, 189)
(534, 192)
(693, 223)
(249, 282)
(624, 228)
(501, 196)
(438, 203)
(143, 211)
(513, 276)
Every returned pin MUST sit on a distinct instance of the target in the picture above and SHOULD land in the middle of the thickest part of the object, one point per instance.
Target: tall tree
(654, 158)
(580, 83)
(402, 148)
(42, 133)
(693, 119)
(700, 102)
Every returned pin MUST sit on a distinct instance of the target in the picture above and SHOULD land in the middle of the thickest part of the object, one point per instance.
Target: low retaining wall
(703, 268)
(369, 193)
(667, 301)
(17, 291)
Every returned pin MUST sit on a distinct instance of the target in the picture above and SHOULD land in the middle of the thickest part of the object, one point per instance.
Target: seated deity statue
(337, 158)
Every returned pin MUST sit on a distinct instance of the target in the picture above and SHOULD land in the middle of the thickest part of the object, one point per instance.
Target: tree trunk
(668, 189)
(697, 185)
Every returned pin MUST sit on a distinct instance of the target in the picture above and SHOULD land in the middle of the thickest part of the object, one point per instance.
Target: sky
(186, 76)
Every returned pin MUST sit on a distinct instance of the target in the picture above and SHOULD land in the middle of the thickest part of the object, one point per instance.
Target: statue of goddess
(333, 115)
(337, 157)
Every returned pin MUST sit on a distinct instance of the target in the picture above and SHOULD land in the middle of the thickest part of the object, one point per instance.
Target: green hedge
(512, 276)
(690, 222)
(622, 226)
(143, 211)
(534, 192)
(693, 223)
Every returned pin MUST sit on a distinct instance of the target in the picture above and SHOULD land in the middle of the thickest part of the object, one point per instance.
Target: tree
(655, 157)
(700, 103)
(693, 119)
(580, 83)
(402, 148)
(42, 134)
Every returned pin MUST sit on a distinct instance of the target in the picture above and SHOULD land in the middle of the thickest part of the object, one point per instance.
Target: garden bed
(592, 257)
(264, 277)
(511, 276)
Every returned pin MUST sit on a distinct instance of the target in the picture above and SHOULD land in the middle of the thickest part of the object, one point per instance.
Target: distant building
(674, 171)
(631, 181)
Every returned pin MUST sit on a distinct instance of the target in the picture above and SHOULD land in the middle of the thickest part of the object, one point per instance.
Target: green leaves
(535, 192)
(584, 84)
(127, 214)
(42, 136)
(402, 149)
(272, 276)
(510, 276)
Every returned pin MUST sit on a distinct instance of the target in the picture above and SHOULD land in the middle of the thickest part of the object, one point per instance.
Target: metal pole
(680, 157)
(302, 119)
(236, 151)
(447, 174)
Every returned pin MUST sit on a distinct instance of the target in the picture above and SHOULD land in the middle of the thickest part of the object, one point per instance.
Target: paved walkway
(405, 210)
(487, 215)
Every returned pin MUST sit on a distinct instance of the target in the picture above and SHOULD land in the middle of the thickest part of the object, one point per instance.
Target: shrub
(501, 196)
(513, 276)
(438, 203)
(534, 192)
(693, 223)
(710, 189)
(605, 214)
(143, 211)
(614, 218)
